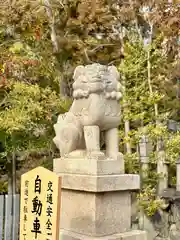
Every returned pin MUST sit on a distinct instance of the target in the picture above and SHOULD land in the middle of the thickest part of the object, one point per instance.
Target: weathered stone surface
(160, 238)
(95, 111)
(103, 183)
(174, 234)
(145, 148)
(132, 235)
(165, 224)
(96, 214)
(178, 175)
(149, 227)
(89, 166)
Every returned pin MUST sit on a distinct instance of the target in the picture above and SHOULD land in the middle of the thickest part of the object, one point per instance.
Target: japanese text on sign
(40, 205)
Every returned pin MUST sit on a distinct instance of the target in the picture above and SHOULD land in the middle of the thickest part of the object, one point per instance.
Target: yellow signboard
(40, 205)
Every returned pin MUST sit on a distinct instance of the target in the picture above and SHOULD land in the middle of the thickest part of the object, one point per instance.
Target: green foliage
(172, 148)
(3, 187)
(28, 112)
(29, 83)
(149, 202)
(139, 109)
(132, 164)
(35, 79)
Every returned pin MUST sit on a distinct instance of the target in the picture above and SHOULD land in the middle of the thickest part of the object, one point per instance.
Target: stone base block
(132, 235)
(103, 183)
(95, 214)
(96, 198)
(89, 166)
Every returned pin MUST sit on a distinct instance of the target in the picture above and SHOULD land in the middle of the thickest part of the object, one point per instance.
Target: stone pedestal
(96, 199)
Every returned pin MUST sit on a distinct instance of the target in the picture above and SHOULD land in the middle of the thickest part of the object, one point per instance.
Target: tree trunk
(10, 181)
(127, 129)
(13, 174)
(10, 187)
(14, 225)
(161, 165)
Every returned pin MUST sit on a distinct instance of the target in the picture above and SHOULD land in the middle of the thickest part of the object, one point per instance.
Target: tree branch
(52, 24)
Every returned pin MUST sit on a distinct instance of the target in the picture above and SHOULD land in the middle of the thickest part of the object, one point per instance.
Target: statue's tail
(68, 133)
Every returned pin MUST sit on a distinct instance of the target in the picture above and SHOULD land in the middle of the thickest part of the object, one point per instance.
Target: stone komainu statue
(95, 110)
